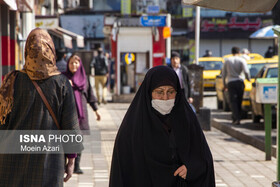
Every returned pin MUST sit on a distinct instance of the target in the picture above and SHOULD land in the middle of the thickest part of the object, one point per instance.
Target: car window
(260, 73)
(211, 65)
(272, 73)
(255, 68)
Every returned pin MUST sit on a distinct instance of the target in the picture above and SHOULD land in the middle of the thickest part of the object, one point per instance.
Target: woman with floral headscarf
(22, 108)
(83, 94)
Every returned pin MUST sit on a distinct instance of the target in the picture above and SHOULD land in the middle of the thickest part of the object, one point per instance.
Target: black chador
(149, 147)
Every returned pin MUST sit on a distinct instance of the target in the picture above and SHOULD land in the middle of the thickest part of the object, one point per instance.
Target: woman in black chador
(160, 142)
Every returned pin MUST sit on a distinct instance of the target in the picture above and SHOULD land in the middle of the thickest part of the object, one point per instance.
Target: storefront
(220, 34)
(137, 45)
(62, 38)
(8, 36)
(12, 26)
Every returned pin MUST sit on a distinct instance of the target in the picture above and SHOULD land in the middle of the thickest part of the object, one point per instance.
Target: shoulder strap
(46, 103)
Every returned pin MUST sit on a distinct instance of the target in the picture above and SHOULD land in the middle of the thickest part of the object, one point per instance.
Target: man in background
(269, 53)
(100, 65)
(245, 54)
(60, 61)
(233, 80)
(208, 53)
(182, 72)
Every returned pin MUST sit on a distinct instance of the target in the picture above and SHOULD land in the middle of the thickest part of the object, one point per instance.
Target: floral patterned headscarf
(40, 58)
(40, 63)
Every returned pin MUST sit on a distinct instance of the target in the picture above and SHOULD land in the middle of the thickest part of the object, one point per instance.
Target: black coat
(185, 81)
(143, 154)
(30, 113)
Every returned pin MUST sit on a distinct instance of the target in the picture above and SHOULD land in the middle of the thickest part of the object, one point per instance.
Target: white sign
(46, 23)
(266, 93)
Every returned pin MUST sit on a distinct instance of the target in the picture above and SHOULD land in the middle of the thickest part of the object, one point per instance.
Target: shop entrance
(133, 69)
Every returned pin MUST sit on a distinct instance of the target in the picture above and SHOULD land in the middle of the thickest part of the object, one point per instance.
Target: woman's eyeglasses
(160, 93)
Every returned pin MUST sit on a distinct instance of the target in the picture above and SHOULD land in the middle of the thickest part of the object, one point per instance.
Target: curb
(245, 138)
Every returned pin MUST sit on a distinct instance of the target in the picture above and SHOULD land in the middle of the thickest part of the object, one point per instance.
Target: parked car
(212, 68)
(254, 67)
(268, 71)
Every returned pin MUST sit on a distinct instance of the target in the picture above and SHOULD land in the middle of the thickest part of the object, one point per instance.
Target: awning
(67, 37)
(258, 6)
(25, 5)
(265, 33)
(11, 3)
(78, 38)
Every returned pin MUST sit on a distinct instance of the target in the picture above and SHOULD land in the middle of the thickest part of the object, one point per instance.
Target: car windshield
(211, 65)
(255, 68)
(272, 73)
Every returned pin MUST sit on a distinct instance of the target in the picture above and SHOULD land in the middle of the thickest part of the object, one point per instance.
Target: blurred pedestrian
(68, 55)
(60, 62)
(245, 54)
(269, 53)
(83, 94)
(22, 108)
(208, 53)
(182, 72)
(233, 80)
(160, 142)
(100, 65)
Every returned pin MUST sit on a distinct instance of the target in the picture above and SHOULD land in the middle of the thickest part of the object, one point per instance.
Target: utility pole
(168, 40)
(197, 33)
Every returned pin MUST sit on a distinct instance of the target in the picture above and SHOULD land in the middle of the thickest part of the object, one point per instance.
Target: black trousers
(236, 90)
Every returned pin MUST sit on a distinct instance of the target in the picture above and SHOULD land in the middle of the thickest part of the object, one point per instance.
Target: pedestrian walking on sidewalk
(83, 94)
(183, 75)
(233, 80)
(160, 142)
(101, 73)
(22, 108)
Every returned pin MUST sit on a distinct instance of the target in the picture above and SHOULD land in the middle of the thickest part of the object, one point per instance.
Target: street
(236, 163)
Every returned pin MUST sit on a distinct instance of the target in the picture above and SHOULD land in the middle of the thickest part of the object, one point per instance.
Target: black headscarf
(143, 155)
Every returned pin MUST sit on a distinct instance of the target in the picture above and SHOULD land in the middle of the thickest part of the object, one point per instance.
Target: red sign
(221, 25)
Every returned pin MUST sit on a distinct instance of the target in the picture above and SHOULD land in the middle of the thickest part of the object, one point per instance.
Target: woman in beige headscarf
(23, 109)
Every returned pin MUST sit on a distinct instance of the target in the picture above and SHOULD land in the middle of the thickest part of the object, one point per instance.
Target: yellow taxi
(268, 71)
(275, 57)
(212, 68)
(254, 67)
(253, 56)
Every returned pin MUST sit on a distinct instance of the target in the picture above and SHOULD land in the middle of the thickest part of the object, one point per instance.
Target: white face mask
(163, 106)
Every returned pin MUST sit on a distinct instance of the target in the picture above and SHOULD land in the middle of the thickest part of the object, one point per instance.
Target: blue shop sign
(153, 21)
(153, 9)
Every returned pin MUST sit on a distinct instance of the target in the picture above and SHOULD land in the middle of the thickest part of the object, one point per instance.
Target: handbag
(46, 102)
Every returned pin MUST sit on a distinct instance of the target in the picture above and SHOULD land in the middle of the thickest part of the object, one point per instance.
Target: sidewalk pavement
(247, 132)
(236, 164)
